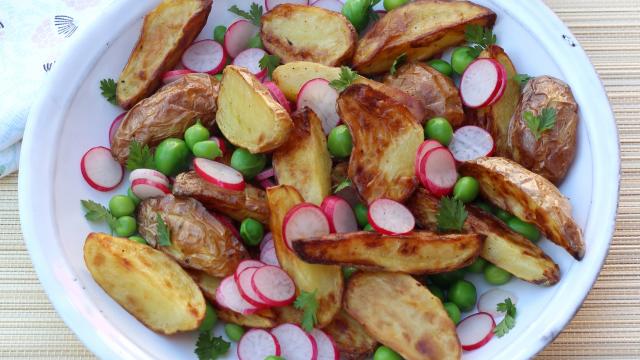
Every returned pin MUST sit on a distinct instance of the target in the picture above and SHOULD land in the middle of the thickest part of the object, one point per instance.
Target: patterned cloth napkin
(32, 35)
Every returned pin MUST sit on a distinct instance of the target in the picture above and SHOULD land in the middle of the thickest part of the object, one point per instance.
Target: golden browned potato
(419, 29)
(198, 240)
(248, 115)
(552, 154)
(350, 337)
(310, 33)
(304, 161)
(326, 280)
(238, 205)
(168, 113)
(528, 196)
(436, 92)
(399, 312)
(418, 252)
(503, 247)
(166, 33)
(147, 283)
(386, 138)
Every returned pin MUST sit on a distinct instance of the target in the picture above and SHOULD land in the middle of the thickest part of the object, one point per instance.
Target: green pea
(477, 266)
(121, 205)
(218, 33)
(207, 149)
(466, 189)
(274, 357)
(138, 239)
(463, 293)
(136, 200)
(495, 275)
(447, 278)
(234, 332)
(453, 311)
(171, 156)
(362, 214)
(340, 142)
(357, 11)
(484, 206)
(439, 129)
(126, 226)
(255, 42)
(385, 353)
(251, 231)
(437, 292)
(195, 134)
(525, 229)
(392, 4)
(210, 319)
(218, 77)
(347, 271)
(247, 163)
(461, 58)
(368, 227)
(503, 215)
(442, 66)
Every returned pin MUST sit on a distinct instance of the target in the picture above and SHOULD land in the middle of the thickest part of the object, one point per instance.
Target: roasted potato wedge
(166, 33)
(248, 115)
(309, 33)
(326, 280)
(350, 337)
(304, 161)
(168, 113)
(503, 247)
(386, 138)
(552, 154)
(399, 312)
(418, 252)
(146, 282)
(528, 196)
(198, 240)
(420, 29)
(238, 205)
(436, 92)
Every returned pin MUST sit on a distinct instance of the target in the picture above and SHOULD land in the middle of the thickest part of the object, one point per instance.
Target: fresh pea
(357, 11)
(439, 129)
(368, 227)
(210, 319)
(461, 58)
(503, 215)
(251, 231)
(126, 226)
(347, 271)
(121, 205)
(484, 206)
(385, 353)
(340, 142)
(195, 134)
(447, 278)
(466, 189)
(477, 266)
(138, 239)
(453, 311)
(362, 214)
(247, 163)
(218, 33)
(207, 149)
(525, 229)
(463, 294)
(442, 66)
(495, 275)
(171, 156)
(437, 292)
(234, 332)
(393, 4)
(136, 200)
(255, 42)
(274, 357)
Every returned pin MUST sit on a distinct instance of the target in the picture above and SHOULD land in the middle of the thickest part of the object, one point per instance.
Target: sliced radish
(228, 295)
(250, 59)
(273, 286)
(149, 174)
(115, 125)
(173, 75)
(270, 4)
(219, 174)
(246, 264)
(237, 36)
(147, 189)
(257, 344)
(333, 5)
(471, 142)
(317, 95)
(327, 349)
(295, 343)
(438, 172)
(482, 82)
(423, 149)
(246, 288)
(100, 170)
(266, 239)
(269, 256)
(304, 221)
(205, 56)
(488, 302)
(390, 217)
(340, 214)
(475, 330)
(266, 174)
(278, 95)
(222, 145)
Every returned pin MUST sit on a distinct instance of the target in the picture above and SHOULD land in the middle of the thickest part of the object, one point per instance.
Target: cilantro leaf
(451, 214)
(254, 14)
(509, 309)
(269, 62)
(307, 301)
(522, 79)
(541, 123)
(397, 62)
(108, 90)
(210, 347)
(164, 237)
(347, 76)
(140, 156)
(479, 38)
(96, 212)
(342, 185)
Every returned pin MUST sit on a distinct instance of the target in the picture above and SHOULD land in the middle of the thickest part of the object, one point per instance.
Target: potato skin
(146, 282)
(551, 155)
(168, 113)
(166, 33)
(198, 240)
(350, 337)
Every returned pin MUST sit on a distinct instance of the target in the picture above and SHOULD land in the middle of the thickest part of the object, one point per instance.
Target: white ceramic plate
(71, 116)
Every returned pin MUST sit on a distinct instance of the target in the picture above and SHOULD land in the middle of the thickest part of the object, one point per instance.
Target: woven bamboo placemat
(607, 326)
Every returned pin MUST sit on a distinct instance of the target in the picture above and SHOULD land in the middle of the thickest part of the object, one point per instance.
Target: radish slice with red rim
(471, 142)
(269, 256)
(438, 172)
(257, 344)
(250, 59)
(173, 75)
(100, 170)
(278, 95)
(488, 302)
(266, 174)
(149, 174)
(340, 214)
(390, 217)
(246, 264)
(423, 149)
(246, 288)
(475, 330)
(317, 95)
(481, 82)
(273, 286)
(295, 343)
(231, 299)
(115, 125)
(237, 37)
(270, 4)
(304, 221)
(333, 5)
(266, 239)
(327, 349)
(503, 84)
(147, 189)
(219, 174)
(204, 56)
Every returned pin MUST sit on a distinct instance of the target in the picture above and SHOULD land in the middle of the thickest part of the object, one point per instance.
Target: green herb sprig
(108, 90)
(307, 302)
(541, 123)
(451, 214)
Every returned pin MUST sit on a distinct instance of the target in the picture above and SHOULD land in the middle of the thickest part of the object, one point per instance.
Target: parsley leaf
(164, 237)
(522, 79)
(254, 14)
(479, 38)
(108, 90)
(397, 62)
(210, 347)
(347, 76)
(451, 214)
(509, 309)
(342, 185)
(541, 123)
(140, 156)
(96, 212)
(307, 301)
(269, 62)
